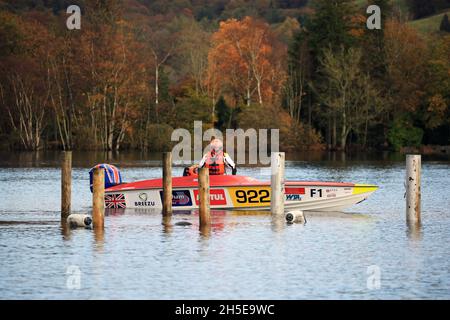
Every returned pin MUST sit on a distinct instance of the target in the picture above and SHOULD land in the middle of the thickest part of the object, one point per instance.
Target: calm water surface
(243, 257)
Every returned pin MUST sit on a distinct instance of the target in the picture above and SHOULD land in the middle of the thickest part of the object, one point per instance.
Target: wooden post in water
(277, 183)
(98, 198)
(66, 184)
(413, 168)
(167, 183)
(204, 207)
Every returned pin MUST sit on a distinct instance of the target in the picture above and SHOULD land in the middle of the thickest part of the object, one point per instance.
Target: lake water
(138, 256)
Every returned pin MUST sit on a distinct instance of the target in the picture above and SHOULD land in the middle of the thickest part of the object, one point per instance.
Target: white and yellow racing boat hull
(238, 193)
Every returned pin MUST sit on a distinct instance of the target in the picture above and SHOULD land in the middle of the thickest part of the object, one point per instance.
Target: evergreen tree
(223, 114)
(445, 24)
(289, 4)
(331, 25)
(328, 29)
(422, 8)
(373, 43)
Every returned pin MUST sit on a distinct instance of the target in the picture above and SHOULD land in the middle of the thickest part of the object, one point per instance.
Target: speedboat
(234, 192)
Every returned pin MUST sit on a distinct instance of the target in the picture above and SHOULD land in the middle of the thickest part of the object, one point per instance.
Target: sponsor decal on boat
(294, 194)
(180, 198)
(144, 201)
(293, 197)
(216, 197)
(115, 201)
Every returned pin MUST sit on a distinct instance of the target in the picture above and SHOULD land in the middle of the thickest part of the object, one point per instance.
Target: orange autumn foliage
(406, 53)
(245, 61)
(358, 25)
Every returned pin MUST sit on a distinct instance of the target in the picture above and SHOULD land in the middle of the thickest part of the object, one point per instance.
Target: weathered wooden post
(413, 167)
(167, 224)
(66, 184)
(99, 237)
(167, 183)
(98, 198)
(205, 231)
(204, 207)
(277, 183)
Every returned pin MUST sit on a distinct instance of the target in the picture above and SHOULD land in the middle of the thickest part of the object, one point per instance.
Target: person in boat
(216, 160)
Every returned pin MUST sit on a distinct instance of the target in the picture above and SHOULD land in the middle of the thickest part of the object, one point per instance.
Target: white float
(295, 217)
(79, 220)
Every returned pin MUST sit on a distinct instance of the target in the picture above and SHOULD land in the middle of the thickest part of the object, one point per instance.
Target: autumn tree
(161, 44)
(114, 76)
(24, 93)
(193, 47)
(286, 30)
(436, 109)
(406, 54)
(227, 73)
(244, 59)
(300, 68)
(63, 76)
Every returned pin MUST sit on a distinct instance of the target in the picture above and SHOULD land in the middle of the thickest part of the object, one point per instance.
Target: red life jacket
(215, 163)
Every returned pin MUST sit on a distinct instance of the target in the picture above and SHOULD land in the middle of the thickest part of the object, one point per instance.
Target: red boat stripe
(295, 190)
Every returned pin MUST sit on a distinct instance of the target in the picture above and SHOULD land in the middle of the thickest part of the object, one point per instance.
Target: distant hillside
(273, 11)
(429, 24)
(401, 4)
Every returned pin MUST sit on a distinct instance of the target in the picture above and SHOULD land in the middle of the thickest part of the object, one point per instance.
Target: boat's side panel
(302, 197)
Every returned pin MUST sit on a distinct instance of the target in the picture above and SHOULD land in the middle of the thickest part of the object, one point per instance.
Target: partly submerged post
(167, 183)
(98, 198)
(204, 207)
(413, 167)
(66, 183)
(277, 183)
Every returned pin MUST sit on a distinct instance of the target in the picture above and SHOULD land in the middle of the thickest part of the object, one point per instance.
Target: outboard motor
(113, 177)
